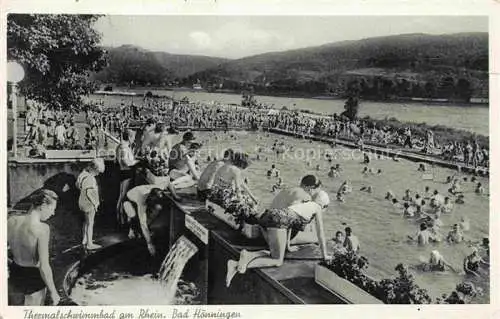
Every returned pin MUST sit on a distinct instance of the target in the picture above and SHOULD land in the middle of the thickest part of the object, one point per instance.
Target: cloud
(201, 39)
(241, 39)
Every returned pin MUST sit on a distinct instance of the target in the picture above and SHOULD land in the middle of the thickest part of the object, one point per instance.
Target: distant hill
(129, 63)
(451, 66)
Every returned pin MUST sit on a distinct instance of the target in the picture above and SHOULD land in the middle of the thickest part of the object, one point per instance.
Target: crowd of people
(221, 183)
(43, 122)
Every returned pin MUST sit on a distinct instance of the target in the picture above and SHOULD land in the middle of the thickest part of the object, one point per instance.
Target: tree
(464, 90)
(58, 52)
(351, 106)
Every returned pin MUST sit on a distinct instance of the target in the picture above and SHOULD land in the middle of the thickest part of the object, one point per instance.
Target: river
(473, 119)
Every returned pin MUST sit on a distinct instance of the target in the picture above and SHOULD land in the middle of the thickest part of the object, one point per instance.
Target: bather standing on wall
(28, 238)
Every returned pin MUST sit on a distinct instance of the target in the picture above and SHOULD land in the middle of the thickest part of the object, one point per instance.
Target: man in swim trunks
(28, 239)
(351, 242)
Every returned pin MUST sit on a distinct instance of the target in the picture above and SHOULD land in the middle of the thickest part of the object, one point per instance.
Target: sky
(239, 36)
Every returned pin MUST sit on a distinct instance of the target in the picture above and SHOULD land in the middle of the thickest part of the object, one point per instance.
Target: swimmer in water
(407, 196)
(455, 235)
(318, 167)
(460, 199)
(365, 171)
(277, 186)
(437, 263)
(472, 262)
(332, 173)
(408, 211)
(423, 236)
(395, 203)
(473, 179)
(379, 172)
(427, 192)
(421, 168)
(455, 188)
(338, 168)
(464, 223)
(479, 189)
(449, 179)
(447, 207)
(366, 158)
(389, 195)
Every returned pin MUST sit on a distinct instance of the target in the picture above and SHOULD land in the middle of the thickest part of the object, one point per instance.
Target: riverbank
(312, 96)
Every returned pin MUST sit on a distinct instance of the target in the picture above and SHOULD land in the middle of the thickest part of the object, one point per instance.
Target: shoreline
(309, 97)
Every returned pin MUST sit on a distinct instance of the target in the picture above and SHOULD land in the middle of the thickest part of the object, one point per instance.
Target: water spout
(171, 269)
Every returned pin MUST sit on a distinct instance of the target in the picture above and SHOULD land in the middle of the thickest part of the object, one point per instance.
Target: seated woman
(208, 175)
(142, 205)
(229, 185)
(181, 162)
(277, 225)
(472, 262)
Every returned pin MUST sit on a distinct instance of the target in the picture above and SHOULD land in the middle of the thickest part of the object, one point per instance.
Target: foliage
(243, 211)
(399, 290)
(132, 65)
(451, 66)
(57, 53)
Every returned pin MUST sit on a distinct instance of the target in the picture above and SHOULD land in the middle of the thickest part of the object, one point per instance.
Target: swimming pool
(377, 223)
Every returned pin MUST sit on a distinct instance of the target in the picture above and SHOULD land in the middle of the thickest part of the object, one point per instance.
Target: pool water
(381, 229)
(127, 279)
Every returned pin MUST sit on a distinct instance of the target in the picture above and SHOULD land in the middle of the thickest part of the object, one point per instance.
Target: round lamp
(15, 72)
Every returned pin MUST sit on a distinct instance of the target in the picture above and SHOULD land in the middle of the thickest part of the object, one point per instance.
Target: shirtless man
(351, 242)
(28, 239)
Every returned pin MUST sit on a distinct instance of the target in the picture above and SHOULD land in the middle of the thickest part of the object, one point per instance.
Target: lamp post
(15, 74)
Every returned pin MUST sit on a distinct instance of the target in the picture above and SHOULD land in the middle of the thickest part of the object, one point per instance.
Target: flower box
(249, 231)
(342, 288)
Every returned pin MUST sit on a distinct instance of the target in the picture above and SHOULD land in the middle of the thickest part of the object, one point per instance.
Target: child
(88, 201)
